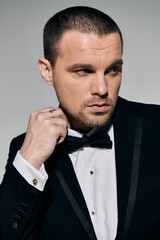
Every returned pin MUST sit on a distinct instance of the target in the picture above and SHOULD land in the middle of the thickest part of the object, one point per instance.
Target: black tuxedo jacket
(60, 211)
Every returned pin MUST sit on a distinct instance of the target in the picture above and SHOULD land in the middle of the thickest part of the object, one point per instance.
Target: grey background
(22, 89)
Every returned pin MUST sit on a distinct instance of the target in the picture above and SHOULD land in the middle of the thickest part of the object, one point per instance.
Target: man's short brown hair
(82, 19)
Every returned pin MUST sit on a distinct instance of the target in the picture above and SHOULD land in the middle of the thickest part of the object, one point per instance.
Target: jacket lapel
(64, 171)
(125, 121)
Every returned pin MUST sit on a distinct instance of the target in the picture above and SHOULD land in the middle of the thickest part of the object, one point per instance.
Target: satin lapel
(68, 181)
(124, 131)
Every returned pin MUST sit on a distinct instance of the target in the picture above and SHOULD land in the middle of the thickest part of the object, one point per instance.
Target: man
(109, 186)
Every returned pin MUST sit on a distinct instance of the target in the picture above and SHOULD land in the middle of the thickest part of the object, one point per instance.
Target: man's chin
(92, 122)
(97, 123)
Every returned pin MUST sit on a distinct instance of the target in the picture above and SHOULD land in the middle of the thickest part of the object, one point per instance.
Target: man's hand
(45, 130)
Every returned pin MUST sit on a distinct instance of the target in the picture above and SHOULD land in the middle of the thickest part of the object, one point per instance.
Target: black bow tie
(99, 140)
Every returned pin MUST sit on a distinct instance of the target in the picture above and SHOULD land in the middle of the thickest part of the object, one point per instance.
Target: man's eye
(114, 70)
(83, 72)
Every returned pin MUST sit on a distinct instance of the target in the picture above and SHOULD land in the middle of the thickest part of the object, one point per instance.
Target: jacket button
(15, 225)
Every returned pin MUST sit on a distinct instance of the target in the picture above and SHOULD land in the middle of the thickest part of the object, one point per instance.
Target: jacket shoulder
(139, 108)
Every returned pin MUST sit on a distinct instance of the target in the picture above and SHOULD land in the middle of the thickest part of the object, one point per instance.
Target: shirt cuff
(34, 177)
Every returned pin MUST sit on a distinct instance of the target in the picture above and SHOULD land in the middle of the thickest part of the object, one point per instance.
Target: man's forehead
(74, 41)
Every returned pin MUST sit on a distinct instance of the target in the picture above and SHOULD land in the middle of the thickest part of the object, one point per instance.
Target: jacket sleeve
(21, 205)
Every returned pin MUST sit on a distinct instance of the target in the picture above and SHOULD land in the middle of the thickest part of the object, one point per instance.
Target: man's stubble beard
(84, 122)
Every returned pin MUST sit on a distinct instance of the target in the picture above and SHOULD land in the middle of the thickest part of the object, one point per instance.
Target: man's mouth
(98, 107)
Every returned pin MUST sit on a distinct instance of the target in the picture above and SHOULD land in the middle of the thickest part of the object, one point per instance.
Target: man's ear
(46, 70)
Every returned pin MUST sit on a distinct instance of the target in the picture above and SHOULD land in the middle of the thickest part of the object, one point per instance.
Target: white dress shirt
(96, 173)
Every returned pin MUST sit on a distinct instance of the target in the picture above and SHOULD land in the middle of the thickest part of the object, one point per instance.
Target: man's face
(87, 77)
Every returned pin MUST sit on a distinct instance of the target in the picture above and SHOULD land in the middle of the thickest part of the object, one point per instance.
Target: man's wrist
(36, 178)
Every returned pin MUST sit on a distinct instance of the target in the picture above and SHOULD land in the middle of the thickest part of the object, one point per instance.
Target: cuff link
(35, 181)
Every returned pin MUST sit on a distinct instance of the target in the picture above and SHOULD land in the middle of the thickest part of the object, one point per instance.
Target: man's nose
(99, 85)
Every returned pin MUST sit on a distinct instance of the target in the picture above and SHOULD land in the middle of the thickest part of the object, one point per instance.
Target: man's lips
(98, 107)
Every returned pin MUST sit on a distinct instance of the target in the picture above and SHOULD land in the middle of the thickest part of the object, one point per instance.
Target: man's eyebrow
(91, 66)
(117, 62)
(80, 66)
